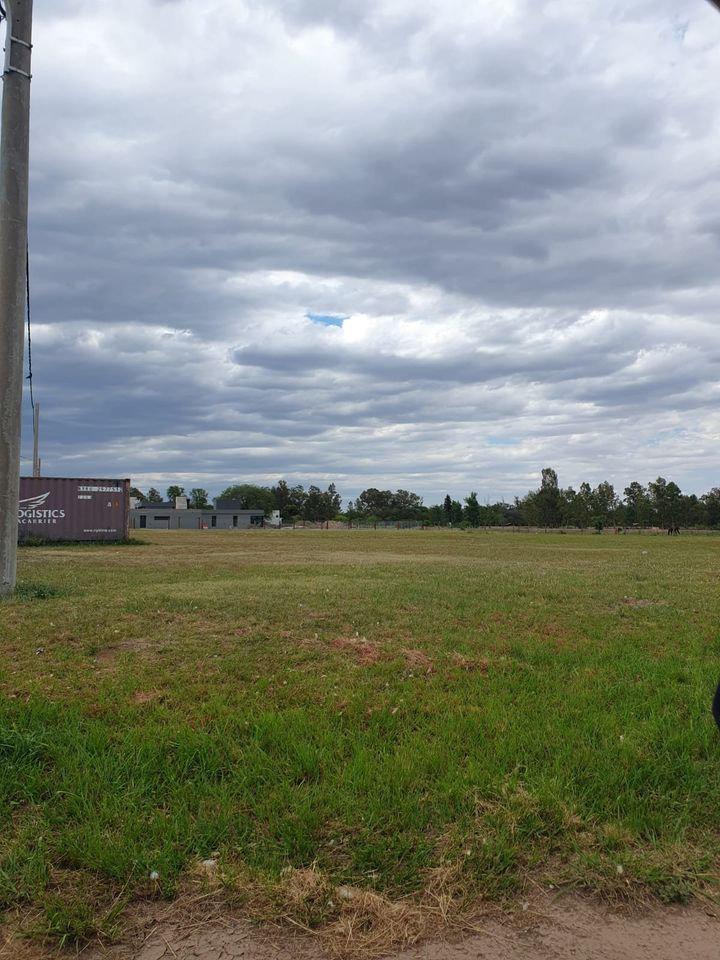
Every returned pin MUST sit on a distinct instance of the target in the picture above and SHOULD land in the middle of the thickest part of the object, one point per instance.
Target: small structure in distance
(177, 515)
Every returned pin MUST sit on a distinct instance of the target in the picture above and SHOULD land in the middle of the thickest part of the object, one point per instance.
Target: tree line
(293, 502)
(657, 503)
(660, 503)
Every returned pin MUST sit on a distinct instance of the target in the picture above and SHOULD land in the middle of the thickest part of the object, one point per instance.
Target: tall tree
(604, 502)
(665, 499)
(549, 501)
(175, 491)
(313, 509)
(585, 505)
(711, 501)
(437, 515)
(692, 511)
(298, 496)
(472, 510)
(281, 493)
(447, 507)
(637, 504)
(153, 496)
(674, 501)
(199, 498)
(332, 502)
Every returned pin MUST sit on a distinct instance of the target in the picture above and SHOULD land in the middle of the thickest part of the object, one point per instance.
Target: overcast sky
(436, 244)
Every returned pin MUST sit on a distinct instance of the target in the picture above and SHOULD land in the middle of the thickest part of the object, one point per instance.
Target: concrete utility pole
(14, 163)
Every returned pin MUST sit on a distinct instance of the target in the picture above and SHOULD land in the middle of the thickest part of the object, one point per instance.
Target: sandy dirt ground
(568, 928)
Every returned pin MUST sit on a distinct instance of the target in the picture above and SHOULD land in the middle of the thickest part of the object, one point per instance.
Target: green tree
(638, 507)
(331, 502)
(472, 510)
(249, 496)
(447, 508)
(456, 513)
(549, 500)
(174, 491)
(313, 509)
(153, 496)
(665, 499)
(320, 505)
(281, 494)
(584, 506)
(406, 505)
(389, 505)
(692, 511)
(711, 502)
(137, 494)
(568, 506)
(298, 496)
(604, 503)
(199, 498)
(674, 500)
(437, 515)
(374, 503)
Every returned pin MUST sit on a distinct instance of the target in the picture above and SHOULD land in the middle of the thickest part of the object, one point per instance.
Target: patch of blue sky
(326, 319)
(666, 436)
(502, 441)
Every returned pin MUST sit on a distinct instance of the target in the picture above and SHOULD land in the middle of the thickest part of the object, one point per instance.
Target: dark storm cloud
(513, 204)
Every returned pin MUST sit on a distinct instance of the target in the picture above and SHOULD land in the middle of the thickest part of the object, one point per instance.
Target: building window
(161, 518)
(256, 521)
(234, 521)
(213, 521)
(143, 521)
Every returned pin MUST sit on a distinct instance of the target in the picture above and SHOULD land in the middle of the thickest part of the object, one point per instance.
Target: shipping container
(62, 508)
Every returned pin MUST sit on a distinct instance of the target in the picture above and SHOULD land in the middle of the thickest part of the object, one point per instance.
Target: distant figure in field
(674, 531)
(716, 706)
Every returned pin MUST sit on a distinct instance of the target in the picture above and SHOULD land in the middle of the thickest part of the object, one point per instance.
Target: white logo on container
(33, 510)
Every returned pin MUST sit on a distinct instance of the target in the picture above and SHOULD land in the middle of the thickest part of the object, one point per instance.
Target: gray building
(225, 515)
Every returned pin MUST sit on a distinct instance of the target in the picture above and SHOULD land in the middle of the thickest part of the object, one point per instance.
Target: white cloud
(513, 204)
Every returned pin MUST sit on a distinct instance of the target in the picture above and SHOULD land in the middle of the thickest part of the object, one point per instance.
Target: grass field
(399, 711)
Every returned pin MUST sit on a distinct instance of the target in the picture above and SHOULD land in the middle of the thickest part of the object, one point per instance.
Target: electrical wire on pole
(34, 406)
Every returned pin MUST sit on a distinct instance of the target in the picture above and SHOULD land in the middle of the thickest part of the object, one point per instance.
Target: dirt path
(552, 930)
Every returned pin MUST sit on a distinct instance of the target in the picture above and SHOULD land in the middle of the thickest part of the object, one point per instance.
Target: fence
(506, 528)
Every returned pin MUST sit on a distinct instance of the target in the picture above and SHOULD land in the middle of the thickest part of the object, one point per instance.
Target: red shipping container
(60, 508)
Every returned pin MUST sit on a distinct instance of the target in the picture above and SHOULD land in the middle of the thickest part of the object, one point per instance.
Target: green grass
(375, 704)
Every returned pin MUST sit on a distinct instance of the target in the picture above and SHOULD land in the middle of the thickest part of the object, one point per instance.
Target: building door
(213, 521)
(143, 522)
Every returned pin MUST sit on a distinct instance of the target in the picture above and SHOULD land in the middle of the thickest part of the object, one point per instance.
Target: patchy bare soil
(568, 927)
